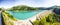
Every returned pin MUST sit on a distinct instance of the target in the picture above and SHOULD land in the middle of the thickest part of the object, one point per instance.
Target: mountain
(28, 8)
(56, 9)
(23, 7)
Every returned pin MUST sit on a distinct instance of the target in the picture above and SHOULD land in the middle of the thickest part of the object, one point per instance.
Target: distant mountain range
(24, 7)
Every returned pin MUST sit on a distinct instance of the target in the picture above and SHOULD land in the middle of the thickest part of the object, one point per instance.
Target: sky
(33, 3)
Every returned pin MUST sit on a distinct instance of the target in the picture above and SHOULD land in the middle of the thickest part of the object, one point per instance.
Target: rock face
(1, 20)
(57, 11)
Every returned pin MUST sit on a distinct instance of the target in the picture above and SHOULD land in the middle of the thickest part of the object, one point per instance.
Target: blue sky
(33, 3)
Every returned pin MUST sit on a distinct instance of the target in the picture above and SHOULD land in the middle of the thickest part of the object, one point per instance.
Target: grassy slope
(51, 19)
(8, 19)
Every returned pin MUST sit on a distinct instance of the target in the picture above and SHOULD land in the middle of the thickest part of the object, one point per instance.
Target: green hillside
(51, 19)
(22, 8)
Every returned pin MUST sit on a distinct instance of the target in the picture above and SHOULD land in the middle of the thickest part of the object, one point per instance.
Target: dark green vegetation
(57, 11)
(51, 19)
(22, 8)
